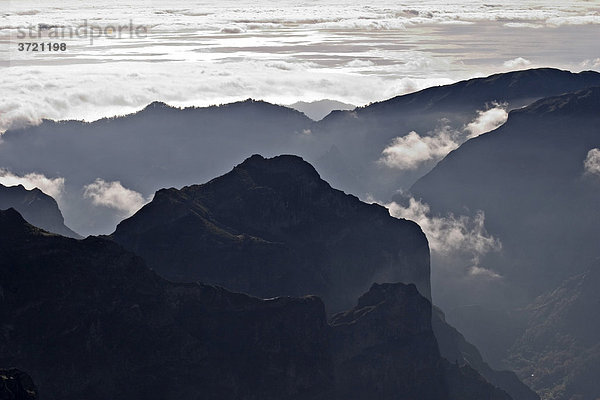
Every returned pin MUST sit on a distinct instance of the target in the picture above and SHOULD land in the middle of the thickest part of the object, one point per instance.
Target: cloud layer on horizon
(212, 54)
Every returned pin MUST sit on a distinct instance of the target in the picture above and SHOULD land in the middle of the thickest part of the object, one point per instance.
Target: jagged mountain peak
(36, 207)
(303, 236)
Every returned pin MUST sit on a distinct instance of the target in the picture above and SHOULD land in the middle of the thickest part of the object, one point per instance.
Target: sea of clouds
(201, 53)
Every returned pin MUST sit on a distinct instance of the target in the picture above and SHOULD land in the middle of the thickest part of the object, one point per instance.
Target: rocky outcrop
(119, 331)
(16, 385)
(385, 348)
(274, 227)
(37, 208)
(89, 321)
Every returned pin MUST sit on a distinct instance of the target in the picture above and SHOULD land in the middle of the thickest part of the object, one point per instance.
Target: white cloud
(523, 25)
(518, 62)
(480, 272)
(232, 29)
(409, 151)
(448, 233)
(487, 120)
(357, 63)
(339, 38)
(574, 20)
(53, 187)
(591, 63)
(592, 162)
(114, 195)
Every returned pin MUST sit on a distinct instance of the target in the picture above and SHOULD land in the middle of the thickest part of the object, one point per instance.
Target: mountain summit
(272, 227)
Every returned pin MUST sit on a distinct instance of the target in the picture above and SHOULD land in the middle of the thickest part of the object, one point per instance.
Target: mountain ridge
(282, 212)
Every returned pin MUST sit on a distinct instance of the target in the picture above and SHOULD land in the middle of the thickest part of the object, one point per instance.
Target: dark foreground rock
(89, 321)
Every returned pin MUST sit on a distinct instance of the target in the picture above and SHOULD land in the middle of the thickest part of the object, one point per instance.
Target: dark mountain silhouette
(36, 207)
(163, 146)
(16, 385)
(89, 321)
(160, 146)
(274, 227)
(530, 179)
(559, 353)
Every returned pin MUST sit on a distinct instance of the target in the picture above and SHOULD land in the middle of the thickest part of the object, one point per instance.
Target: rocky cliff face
(274, 227)
(16, 385)
(36, 207)
(384, 347)
(89, 321)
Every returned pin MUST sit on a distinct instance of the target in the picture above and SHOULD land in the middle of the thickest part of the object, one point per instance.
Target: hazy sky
(201, 53)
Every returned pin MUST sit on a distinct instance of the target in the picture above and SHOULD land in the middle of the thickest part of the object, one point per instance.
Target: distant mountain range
(163, 146)
(317, 110)
(89, 320)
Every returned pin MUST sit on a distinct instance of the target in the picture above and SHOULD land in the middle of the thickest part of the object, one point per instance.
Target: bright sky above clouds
(209, 52)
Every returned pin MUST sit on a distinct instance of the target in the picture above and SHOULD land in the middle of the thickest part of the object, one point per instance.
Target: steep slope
(559, 353)
(91, 322)
(36, 207)
(529, 178)
(456, 349)
(385, 348)
(442, 112)
(534, 179)
(272, 227)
